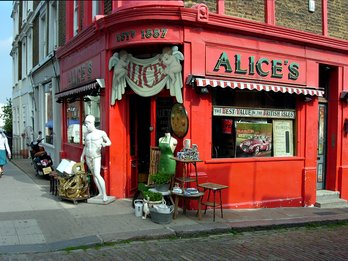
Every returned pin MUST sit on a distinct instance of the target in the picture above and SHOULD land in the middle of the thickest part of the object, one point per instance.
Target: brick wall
(294, 14)
(338, 18)
(61, 23)
(210, 3)
(247, 9)
(107, 7)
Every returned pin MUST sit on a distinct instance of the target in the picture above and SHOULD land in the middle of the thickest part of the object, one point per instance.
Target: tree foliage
(7, 116)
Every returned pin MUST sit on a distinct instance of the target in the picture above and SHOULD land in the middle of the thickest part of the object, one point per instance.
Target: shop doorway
(139, 131)
(327, 81)
(149, 119)
(321, 157)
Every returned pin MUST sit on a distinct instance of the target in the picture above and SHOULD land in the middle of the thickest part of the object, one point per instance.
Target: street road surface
(306, 243)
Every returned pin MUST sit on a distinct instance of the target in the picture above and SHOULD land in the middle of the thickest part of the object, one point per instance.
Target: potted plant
(162, 181)
(152, 196)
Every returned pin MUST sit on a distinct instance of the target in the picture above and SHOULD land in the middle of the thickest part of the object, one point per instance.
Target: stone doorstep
(329, 199)
(333, 203)
(327, 194)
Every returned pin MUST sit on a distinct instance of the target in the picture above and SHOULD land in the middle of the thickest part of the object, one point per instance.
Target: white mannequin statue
(95, 140)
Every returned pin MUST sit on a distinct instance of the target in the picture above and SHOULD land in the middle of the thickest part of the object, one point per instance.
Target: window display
(77, 110)
(252, 124)
(253, 139)
(48, 115)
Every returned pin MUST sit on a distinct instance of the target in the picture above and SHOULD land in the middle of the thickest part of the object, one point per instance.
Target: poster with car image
(283, 140)
(253, 139)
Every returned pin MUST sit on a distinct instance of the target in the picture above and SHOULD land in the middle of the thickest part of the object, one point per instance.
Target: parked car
(256, 144)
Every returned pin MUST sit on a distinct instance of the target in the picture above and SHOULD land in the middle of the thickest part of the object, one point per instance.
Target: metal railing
(18, 147)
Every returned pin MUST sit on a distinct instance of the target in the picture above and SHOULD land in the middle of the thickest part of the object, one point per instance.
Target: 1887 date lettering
(154, 33)
(145, 34)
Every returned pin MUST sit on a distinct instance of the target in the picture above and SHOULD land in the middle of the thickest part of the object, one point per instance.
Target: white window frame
(24, 57)
(29, 51)
(24, 11)
(95, 8)
(53, 28)
(42, 36)
(30, 6)
(48, 106)
(15, 18)
(76, 17)
(15, 67)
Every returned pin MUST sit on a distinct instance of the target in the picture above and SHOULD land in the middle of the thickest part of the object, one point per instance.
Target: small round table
(185, 196)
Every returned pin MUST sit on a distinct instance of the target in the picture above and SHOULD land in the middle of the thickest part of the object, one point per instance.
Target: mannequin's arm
(106, 140)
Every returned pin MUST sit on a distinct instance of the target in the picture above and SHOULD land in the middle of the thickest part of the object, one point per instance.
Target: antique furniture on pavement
(213, 187)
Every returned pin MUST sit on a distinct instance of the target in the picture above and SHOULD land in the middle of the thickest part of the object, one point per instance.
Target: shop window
(95, 8)
(92, 107)
(53, 30)
(163, 109)
(48, 114)
(77, 109)
(76, 17)
(42, 37)
(252, 123)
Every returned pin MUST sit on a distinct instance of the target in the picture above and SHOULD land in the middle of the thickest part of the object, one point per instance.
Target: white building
(37, 34)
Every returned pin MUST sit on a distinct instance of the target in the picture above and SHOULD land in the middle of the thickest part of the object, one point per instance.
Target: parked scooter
(41, 160)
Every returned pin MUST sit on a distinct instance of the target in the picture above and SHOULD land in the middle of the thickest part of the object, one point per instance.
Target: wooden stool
(213, 187)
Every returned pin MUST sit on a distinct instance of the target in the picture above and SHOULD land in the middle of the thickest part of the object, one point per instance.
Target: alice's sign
(275, 68)
(80, 74)
(253, 113)
(240, 63)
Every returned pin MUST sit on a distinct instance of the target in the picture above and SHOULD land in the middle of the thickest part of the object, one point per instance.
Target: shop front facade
(265, 109)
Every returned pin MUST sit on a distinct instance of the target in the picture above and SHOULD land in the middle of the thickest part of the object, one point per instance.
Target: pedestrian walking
(3, 148)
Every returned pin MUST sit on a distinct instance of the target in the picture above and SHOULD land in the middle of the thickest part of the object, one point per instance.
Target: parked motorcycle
(41, 160)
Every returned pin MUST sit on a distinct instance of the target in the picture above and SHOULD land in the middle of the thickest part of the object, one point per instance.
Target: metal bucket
(138, 207)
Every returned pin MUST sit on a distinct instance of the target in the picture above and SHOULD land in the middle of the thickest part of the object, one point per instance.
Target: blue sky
(5, 48)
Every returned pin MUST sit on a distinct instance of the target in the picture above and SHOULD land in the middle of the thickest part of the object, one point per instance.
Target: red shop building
(267, 106)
